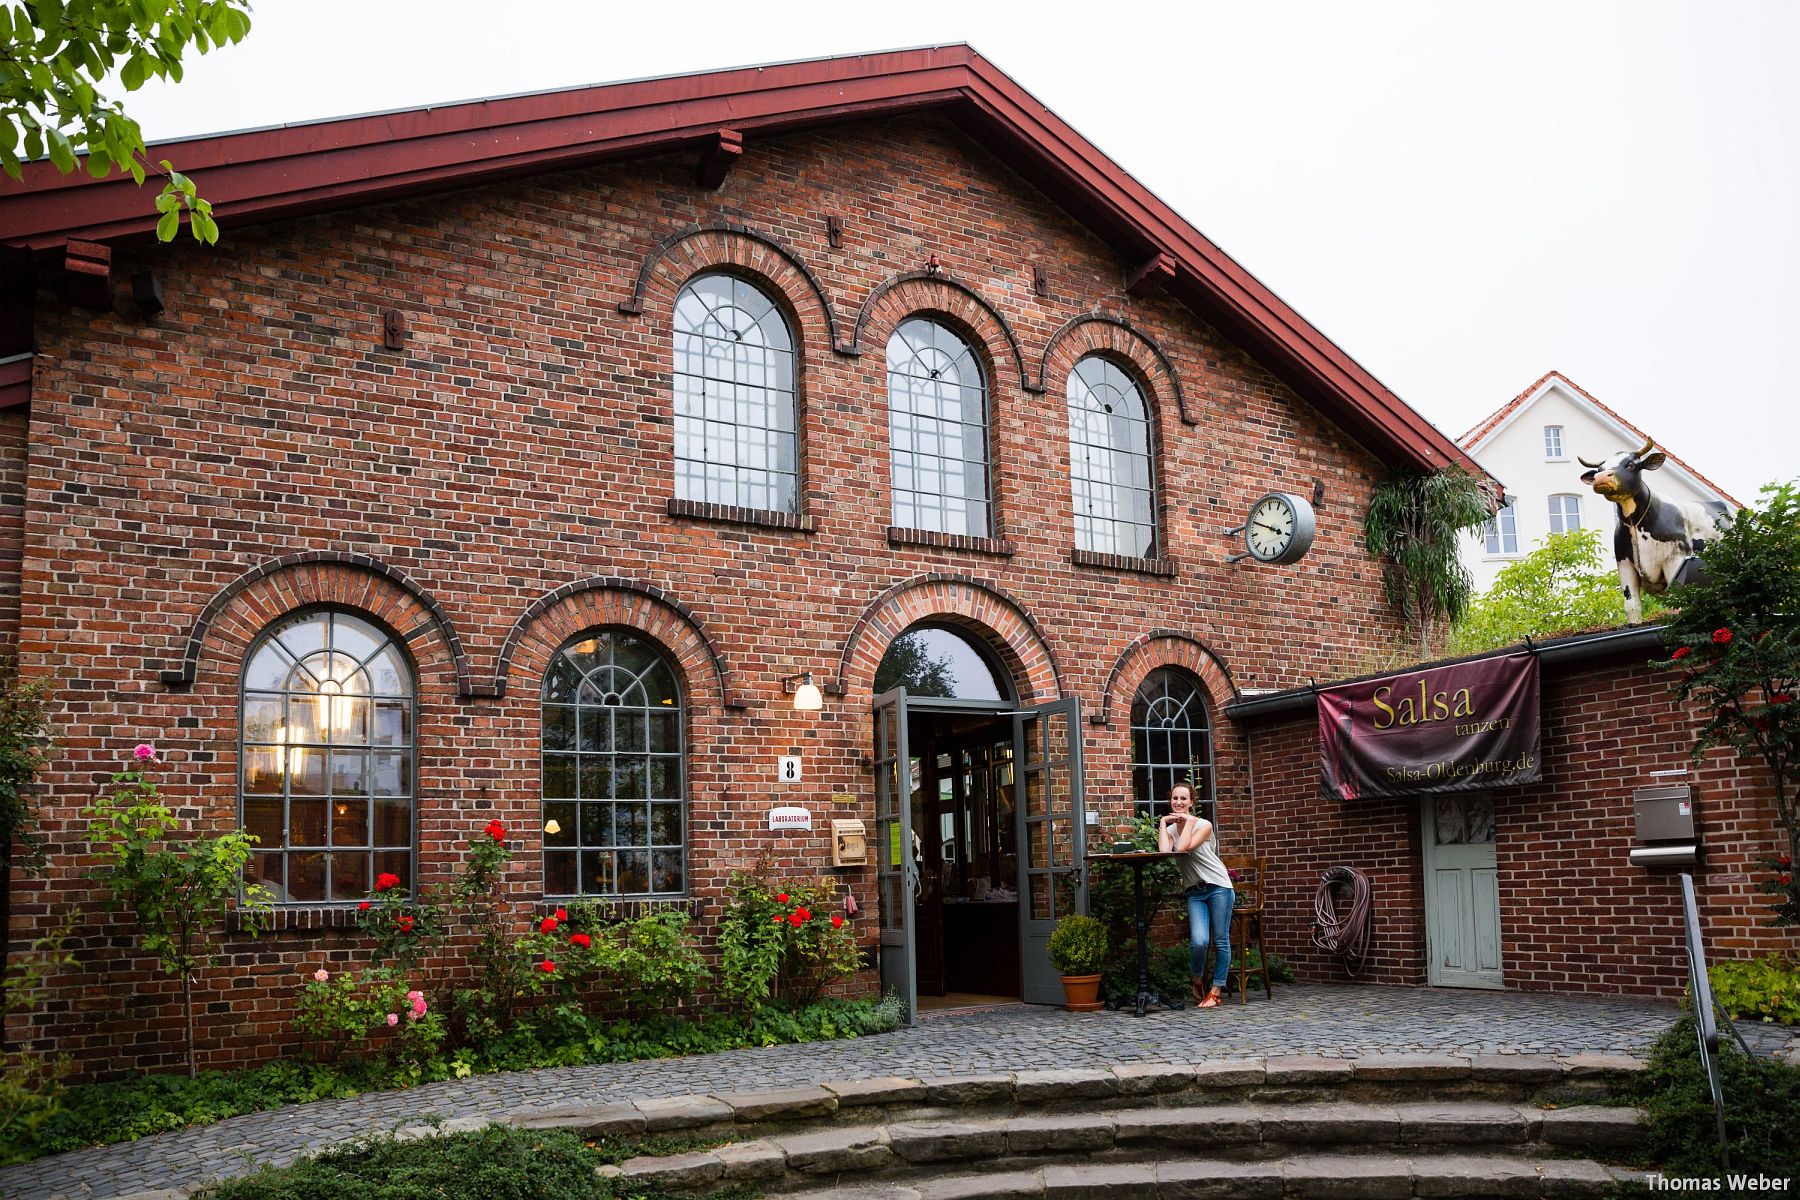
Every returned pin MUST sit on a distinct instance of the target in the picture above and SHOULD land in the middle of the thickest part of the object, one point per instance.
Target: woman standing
(1210, 896)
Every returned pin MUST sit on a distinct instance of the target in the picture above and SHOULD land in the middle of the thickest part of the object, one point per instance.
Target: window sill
(898, 536)
(627, 908)
(1165, 567)
(731, 514)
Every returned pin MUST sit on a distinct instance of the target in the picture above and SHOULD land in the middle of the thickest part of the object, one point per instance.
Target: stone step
(1132, 1139)
(1285, 1080)
(1324, 1176)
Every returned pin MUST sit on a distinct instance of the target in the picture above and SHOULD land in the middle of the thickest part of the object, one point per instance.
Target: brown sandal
(1211, 1001)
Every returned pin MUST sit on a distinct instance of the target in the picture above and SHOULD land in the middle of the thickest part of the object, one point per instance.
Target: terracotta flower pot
(1082, 993)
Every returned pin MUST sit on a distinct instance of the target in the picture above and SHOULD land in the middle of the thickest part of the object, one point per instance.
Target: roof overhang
(288, 171)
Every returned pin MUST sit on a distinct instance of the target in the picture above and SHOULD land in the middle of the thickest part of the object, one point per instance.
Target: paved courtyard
(1335, 1021)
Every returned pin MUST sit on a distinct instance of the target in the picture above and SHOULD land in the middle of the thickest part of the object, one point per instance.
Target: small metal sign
(790, 819)
(789, 769)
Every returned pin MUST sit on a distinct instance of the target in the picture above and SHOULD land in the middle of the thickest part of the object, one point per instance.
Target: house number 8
(790, 768)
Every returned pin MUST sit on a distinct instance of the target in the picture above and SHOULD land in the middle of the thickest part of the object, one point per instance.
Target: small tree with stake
(1735, 643)
(1413, 524)
(177, 891)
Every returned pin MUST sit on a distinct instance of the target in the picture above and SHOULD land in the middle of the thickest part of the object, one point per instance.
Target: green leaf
(61, 153)
(205, 228)
(168, 225)
(132, 73)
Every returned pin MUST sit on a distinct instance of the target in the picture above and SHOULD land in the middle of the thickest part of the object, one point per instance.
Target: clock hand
(1270, 528)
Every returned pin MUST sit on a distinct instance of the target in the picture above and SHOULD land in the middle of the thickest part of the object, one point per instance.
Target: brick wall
(1575, 915)
(15, 425)
(520, 443)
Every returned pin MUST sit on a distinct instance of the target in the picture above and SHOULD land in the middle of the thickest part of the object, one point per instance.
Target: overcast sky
(1461, 196)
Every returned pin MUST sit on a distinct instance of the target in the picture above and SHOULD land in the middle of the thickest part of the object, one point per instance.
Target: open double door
(1049, 825)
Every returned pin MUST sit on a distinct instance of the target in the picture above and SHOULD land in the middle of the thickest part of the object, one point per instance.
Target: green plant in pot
(1078, 952)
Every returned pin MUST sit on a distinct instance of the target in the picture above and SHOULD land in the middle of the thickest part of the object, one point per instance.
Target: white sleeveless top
(1201, 865)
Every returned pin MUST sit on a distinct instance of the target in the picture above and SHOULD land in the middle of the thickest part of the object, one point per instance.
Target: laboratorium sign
(1457, 728)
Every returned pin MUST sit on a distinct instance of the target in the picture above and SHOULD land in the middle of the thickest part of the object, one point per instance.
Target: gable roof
(1512, 409)
(292, 170)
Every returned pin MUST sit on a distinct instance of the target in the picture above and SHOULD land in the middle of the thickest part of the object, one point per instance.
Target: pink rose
(321, 975)
(418, 1008)
(143, 752)
(414, 997)
(393, 1018)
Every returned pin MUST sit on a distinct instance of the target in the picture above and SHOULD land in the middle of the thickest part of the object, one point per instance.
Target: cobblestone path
(1336, 1021)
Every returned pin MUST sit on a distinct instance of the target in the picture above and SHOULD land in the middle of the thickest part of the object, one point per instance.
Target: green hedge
(1762, 1108)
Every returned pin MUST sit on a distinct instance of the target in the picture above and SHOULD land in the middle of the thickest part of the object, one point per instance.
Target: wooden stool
(1246, 922)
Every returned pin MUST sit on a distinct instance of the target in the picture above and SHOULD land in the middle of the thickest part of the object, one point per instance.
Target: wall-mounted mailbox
(849, 842)
(1665, 826)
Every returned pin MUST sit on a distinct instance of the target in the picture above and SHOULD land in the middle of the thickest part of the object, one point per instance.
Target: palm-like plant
(1412, 525)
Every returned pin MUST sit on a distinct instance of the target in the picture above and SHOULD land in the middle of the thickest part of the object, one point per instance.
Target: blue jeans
(1209, 923)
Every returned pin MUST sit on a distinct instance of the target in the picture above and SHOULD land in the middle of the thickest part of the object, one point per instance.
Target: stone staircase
(1377, 1126)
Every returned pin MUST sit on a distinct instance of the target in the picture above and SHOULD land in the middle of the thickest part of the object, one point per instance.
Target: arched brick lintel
(916, 291)
(956, 599)
(1165, 648)
(1102, 333)
(731, 245)
(303, 582)
(649, 609)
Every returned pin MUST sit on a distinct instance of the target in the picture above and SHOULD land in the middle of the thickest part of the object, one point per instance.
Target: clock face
(1280, 528)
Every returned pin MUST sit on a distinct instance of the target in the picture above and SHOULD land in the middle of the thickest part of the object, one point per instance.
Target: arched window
(327, 730)
(935, 660)
(1109, 461)
(735, 439)
(937, 431)
(1171, 742)
(614, 779)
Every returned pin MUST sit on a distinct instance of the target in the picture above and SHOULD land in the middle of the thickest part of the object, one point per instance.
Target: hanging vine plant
(1413, 526)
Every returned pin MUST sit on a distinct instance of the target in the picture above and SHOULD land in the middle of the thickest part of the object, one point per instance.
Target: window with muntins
(1553, 441)
(1171, 742)
(1502, 532)
(1110, 467)
(937, 431)
(326, 723)
(735, 416)
(1565, 513)
(615, 821)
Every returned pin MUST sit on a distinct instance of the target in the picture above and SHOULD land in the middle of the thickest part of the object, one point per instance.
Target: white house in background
(1530, 445)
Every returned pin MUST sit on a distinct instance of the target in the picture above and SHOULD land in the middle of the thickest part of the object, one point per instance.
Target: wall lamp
(806, 694)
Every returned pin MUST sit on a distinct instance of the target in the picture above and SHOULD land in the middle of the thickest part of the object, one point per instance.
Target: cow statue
(1657, 541)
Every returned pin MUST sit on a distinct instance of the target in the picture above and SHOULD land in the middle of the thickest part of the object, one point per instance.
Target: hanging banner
(1459, 728)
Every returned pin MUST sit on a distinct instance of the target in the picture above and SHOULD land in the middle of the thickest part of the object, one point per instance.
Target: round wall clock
(1280, 528)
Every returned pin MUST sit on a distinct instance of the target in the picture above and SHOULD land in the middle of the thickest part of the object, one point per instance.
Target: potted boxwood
(1078, 951)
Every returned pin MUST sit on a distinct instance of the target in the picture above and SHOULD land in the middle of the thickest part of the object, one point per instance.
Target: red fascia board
(265, 174)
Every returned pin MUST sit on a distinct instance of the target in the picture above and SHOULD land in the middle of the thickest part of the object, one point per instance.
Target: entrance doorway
(1462, 892)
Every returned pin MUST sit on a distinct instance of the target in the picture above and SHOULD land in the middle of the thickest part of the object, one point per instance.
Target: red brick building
(512, 459)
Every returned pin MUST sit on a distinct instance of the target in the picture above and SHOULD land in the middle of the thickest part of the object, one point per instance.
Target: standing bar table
(1138, 860)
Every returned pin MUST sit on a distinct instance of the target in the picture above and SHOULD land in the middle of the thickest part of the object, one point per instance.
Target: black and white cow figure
(1657, 541)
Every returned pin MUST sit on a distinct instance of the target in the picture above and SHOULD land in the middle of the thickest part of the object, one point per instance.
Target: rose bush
(783, 942)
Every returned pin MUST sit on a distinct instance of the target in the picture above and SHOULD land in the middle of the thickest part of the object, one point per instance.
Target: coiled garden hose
(1346, 936)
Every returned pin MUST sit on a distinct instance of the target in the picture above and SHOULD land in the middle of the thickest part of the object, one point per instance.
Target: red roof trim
(1500, 414)
(267, 174)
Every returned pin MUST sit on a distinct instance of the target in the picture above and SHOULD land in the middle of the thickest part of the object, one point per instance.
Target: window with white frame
(938, 432)
(1110, 476)
(1502, 532)
(1565, 513)
(1553, 442)
(735, 438)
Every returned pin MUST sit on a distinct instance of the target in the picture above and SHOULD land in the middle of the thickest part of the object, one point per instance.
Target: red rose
(496, 830)
(580, 939)
(406, 924)
(547, 925)
(803, 913)
(1786, 879)
(384, 881)
(364, 906)
(562, 914)
(547, 967)
(837, 922)
(781, 899)
(779, 920)
(797, 920)
(1786, 861)
(1681, 652)
(1721, 636)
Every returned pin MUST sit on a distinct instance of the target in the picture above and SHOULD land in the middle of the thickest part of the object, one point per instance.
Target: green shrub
(783, 941)
(1758, 989)
(1762, 1108)
(1078, 945)
(496, 1163)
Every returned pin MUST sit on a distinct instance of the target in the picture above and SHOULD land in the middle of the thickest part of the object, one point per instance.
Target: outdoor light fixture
(552, 826)
(805, 692)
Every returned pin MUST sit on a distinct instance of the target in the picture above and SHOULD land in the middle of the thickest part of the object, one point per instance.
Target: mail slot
(849, 842)
(1665, 814)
